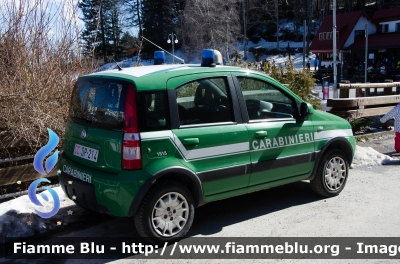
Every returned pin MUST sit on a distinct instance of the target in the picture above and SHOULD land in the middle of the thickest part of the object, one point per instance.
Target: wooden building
(383, 39)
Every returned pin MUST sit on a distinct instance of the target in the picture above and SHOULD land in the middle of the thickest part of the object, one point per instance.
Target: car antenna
(119, 67)
(182, 60)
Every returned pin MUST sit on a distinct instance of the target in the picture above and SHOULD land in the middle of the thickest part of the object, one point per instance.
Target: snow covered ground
(279, 59)
(367, 157)
(18, 217)
(285, 25)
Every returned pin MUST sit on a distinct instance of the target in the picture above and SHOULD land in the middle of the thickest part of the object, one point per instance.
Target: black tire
(332, 173)
(150, 226)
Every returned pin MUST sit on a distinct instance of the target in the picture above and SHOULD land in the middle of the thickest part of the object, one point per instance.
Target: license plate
(86, 152)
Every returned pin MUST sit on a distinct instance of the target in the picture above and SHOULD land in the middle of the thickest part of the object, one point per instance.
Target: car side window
(204, 101)
(265, 101)
(153, 111)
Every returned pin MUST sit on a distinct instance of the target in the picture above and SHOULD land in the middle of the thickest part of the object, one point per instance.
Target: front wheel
(166, 212)
(332, 173)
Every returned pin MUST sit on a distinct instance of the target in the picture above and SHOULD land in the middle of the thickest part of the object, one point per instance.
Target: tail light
(131, 157)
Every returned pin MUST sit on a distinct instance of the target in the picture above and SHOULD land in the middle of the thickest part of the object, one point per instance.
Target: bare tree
(210, 24)
(272, 9)
(309, 16)
(39, 62)
(295, 18)
(252, 15)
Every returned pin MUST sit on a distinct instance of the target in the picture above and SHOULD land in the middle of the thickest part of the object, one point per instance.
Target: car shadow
(213, 217)
(209, 219)
(391, 162)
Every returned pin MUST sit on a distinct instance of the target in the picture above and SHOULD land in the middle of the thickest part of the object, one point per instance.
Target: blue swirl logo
(44, 151)
(32, 196)
(49, 164)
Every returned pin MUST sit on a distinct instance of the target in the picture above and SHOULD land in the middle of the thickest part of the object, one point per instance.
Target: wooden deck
(364, 104)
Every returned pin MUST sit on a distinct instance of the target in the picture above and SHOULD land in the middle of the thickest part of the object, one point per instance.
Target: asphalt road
(367, 207)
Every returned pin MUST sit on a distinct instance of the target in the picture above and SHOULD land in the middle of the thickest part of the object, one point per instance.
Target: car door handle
(191, 141)
(261, 134)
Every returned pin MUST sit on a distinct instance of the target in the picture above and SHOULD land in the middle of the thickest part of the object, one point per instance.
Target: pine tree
(102, 28)
(154, 23)
(128, 41)
(133, 11)
(160, 18)
(114, 29)
(91, 17)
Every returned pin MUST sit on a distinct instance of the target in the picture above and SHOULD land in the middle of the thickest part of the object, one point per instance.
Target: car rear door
(93, 136)
(280, 145)
(208, 133)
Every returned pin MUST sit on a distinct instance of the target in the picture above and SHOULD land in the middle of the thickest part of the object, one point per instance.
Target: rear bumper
(82, 193)
(100, 191)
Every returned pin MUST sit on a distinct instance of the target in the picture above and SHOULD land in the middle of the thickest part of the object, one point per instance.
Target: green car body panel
(113, 191)
(219, 160)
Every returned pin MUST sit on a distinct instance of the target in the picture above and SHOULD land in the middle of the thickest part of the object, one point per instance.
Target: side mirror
(304, 111)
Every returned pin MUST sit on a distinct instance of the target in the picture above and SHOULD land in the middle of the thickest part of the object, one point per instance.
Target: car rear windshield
(99, 103)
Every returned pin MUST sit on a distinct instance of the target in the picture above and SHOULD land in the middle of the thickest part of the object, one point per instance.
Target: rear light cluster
(131, 157)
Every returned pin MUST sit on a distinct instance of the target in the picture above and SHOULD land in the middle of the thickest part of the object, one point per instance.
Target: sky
(56, 11)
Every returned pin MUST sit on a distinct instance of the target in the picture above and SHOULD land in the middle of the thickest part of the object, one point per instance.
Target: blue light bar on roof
(159, 57)
(211, 58)
(207, 58)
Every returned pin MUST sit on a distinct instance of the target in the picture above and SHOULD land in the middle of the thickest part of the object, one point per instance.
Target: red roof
(380, 41)
(387, 15)
(345, 23)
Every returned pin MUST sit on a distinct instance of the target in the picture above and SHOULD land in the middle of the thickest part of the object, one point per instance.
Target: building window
(359, 33)
(385, 28)
(328, 35)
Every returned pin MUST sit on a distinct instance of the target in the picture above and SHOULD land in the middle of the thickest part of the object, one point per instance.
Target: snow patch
(367, 156)
(18, 217)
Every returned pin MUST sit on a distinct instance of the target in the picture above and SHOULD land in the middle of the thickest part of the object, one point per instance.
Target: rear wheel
(331, 175)
(166, 212)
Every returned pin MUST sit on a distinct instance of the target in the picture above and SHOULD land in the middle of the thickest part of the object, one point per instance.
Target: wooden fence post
(344, 93)
(388, 91)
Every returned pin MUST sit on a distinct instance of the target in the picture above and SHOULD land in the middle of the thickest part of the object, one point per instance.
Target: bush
(39, 63)
(300, 82)
(360, 125)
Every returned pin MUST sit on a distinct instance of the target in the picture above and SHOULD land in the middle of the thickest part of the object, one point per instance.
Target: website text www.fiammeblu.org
(206, 248)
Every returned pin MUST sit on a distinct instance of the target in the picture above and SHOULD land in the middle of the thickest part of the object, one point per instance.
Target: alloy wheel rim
(335, 173)
(170, 214)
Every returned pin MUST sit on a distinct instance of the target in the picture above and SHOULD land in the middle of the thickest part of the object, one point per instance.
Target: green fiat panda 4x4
(155, 142)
